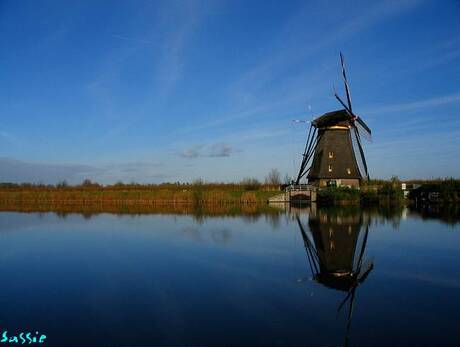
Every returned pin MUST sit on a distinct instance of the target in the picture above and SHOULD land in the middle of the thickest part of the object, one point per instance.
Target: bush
(198, 190)
(449, 190)
(62, 184)
(87, 183)
(369, 197)
(333, 195)
(249, 183)
(391, 192)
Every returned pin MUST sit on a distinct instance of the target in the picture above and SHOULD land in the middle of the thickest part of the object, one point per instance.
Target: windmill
(330, 146)
(335, 253)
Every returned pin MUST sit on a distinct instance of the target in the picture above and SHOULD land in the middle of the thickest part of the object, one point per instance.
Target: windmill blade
(366, 130)
(345, 81)
(311, 152)
(345, 300)
(363, 132)
(363, 248)
(363, 158)
(350, 316)
(358, 138)
(363, 274)
(351, 114)
(312, 254)
(350, 310)
(344, 106)
(364, 125)
(306, 154)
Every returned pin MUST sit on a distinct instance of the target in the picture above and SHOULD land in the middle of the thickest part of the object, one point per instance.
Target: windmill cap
(339, 117)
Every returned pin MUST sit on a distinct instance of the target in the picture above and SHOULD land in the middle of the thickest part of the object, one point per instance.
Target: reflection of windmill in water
(335, 251)
(330, 146)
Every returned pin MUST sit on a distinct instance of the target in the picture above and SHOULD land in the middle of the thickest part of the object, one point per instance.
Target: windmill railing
(300, 188)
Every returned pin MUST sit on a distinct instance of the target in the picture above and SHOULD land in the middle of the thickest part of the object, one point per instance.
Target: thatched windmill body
(330, 147)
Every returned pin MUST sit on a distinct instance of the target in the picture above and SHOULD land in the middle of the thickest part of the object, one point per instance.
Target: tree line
(272, 180)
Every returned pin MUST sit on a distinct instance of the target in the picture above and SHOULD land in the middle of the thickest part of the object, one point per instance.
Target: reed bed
(130, 195)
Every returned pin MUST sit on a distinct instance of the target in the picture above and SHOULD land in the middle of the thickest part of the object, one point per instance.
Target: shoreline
(373, 193)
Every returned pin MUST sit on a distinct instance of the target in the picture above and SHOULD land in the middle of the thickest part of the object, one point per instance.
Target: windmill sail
(345, 81)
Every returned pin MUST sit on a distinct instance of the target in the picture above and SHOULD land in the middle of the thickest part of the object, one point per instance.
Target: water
(224, 279)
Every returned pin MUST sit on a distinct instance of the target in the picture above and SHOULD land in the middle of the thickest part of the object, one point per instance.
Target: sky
(157, 91)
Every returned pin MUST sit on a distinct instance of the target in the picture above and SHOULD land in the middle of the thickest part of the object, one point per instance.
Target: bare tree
(273, 177)
(287, 179)
(62, 184)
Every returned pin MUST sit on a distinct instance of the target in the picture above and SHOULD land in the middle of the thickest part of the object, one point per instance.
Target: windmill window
(349, 171)
(330, 168)
(331, 155)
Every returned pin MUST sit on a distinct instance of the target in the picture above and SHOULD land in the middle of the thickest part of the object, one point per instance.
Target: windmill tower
(335, 247)
(330, 148)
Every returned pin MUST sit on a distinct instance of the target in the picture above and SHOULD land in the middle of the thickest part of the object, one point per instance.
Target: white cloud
(192, 152)
(220, 150)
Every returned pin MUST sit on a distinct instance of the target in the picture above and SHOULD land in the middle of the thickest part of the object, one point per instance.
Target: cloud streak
(284, 54)
(12, 170)
(416, 105)
(286, 51)
(219, 150)
(192, 152)
(132, 39)
(215, 150)
(180, 24)
(9, 138)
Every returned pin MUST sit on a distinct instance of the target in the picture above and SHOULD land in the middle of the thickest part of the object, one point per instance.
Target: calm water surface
(301, 277)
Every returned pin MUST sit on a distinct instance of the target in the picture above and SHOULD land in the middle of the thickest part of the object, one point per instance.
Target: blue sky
(174, 90)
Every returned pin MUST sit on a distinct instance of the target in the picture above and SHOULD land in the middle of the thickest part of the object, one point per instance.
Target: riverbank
(363, 197)
(137, 195)
(380, 192)
(198, 212)
(373, 193)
